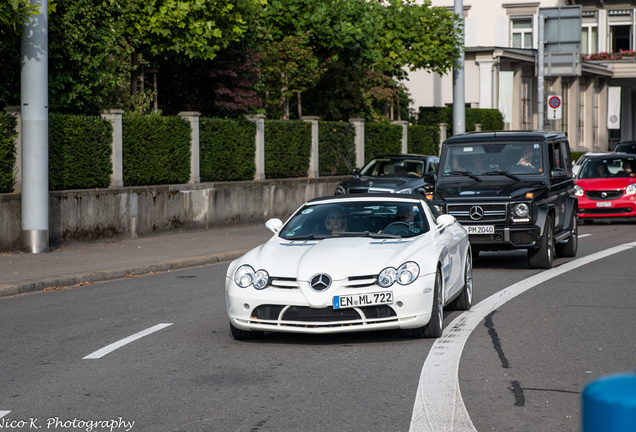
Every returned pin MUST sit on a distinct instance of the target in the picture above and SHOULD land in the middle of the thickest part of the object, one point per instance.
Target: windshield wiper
(465, 173)
(505, 173)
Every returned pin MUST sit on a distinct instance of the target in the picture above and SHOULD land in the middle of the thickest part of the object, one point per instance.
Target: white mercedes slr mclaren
(352, 263)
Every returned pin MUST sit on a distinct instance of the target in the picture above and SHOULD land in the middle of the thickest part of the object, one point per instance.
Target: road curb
(7, 290)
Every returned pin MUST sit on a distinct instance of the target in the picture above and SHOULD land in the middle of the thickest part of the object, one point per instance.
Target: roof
(524, 135)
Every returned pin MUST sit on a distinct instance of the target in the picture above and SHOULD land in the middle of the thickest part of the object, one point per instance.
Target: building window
(521, 32)
(589, 39)
(620, 30)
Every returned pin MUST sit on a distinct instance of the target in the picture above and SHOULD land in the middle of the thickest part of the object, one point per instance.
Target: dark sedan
(404, 173)
(625, 147)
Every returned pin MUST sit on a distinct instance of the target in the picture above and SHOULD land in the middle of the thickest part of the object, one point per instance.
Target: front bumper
(597, 209)
(504, 237)
(289, 310)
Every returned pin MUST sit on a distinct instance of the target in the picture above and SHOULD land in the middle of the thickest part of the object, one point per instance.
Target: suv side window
(558, 156)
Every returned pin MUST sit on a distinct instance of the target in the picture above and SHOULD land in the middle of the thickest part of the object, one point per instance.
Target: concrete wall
(82, 215)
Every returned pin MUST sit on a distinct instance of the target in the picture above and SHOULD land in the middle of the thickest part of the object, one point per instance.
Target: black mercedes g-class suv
(511, 190)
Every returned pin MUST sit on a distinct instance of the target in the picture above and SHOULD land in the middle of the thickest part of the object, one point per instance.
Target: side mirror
(274, 225)
(558, 172)
(356, 172)
(444, 221)
(431, 177)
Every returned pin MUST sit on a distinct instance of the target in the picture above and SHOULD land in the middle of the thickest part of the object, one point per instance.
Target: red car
(606, 186)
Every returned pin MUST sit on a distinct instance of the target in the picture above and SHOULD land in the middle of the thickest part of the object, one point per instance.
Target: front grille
(605, 211)
(306, 316)
(492, 212)
(609, 194)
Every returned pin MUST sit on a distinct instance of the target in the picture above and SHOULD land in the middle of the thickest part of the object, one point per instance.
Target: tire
(434, 327)
(239, 334)
(543, 256)
(570, 248)
(465, 299)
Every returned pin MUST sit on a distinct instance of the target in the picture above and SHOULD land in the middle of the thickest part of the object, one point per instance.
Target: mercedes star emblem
(320, 282)
(476, 213)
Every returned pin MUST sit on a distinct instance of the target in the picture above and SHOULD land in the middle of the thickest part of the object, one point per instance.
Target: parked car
(606, 186)
(511, 190)
(625, 147)
(352, 263)
(392, 174)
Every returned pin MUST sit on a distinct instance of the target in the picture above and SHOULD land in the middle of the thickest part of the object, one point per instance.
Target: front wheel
(543, 256)
(239, 334)
(434, 327)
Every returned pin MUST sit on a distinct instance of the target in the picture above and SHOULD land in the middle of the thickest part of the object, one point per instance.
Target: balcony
(622, 63)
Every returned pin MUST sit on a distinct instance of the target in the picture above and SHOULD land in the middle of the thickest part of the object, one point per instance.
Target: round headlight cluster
(578, 190)
(404, 275)
(521, 210)
(245, 276)
(631, 189)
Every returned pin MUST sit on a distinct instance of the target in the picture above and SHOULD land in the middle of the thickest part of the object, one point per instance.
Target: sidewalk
(82, 262)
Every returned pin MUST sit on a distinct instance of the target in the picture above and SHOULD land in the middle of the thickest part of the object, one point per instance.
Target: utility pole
(459, 104)
(35, 132)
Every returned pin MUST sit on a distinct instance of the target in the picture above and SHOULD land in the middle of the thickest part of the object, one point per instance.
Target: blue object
(609, 404)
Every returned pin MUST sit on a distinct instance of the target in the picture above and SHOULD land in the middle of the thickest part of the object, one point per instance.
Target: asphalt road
(522, 368)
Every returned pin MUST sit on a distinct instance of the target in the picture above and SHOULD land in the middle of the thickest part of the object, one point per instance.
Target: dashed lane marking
(112, 347)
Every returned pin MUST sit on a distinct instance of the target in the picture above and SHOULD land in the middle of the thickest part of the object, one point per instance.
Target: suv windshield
(485, 159)
(394, 167)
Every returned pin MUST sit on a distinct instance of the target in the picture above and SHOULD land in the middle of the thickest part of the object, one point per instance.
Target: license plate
(357, 300)
(480, 229)
(604, 204)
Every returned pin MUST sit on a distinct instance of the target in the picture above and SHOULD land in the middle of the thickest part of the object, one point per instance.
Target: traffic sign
(554, 107)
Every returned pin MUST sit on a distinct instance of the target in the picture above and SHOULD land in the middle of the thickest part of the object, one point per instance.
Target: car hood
(339, 257)
(393, 183)
(605, 183)
(489, 189)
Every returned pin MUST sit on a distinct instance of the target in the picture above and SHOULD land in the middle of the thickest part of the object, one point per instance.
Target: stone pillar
(314, 168)
(358, 126)
(405, 135)
(259, 158)
(195, 160)
(17, 179)
(115, 117)
(477, 127)
(442, 135)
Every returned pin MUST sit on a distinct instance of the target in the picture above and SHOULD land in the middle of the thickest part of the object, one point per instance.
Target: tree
(288, 68)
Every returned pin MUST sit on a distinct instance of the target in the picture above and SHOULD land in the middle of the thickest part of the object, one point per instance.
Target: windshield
(387, 167)
(608, 167)
(377, 219)
(482, 159)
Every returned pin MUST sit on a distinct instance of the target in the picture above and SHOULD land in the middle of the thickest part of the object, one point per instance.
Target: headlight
(407, 273)
(521, 210)
(631, 189)
(340, 190)
(404, 275)
(386, 277)
(578, 190)
(439, 208)
(245, 276)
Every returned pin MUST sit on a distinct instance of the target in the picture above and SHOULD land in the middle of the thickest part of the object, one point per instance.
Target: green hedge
(336, 148)
(490, 119)
(7, 151)
(423, 140)
(227, 149)
(80, 149)
(287, 148)
(381, 138)
(156, 150)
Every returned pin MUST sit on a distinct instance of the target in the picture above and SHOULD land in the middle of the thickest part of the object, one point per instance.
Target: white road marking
(112, 347)
(439, 406)
(4, 413)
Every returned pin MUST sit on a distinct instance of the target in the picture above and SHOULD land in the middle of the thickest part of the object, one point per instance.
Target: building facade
(501, 41)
